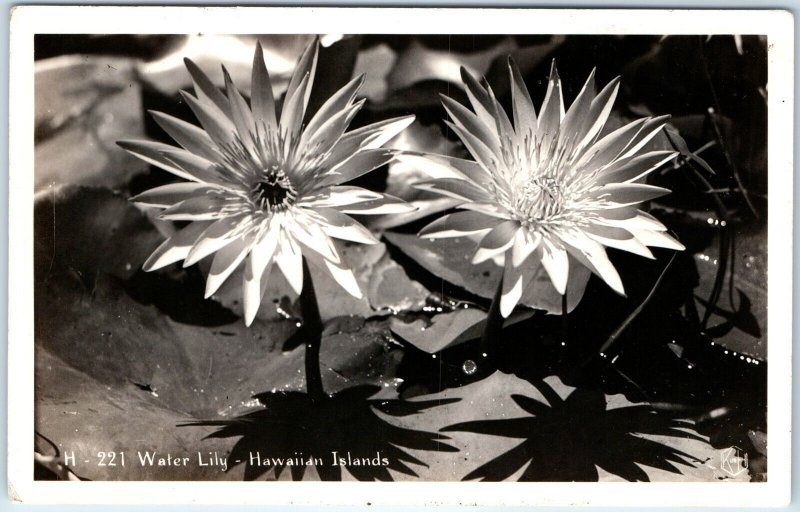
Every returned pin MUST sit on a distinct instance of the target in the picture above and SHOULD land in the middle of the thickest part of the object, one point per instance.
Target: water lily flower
(261, 187)
(550, 186)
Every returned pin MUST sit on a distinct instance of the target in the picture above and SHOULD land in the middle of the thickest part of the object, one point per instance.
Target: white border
(28, 20)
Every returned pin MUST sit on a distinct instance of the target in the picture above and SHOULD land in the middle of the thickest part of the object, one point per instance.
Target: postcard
(471, 256)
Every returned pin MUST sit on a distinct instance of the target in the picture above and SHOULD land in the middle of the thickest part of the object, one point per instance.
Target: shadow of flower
(330, 433)
(567, 439)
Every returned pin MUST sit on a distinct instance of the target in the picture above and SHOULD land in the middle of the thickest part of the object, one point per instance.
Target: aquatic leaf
(451, 260)
(447, 329)
(512, 429)
(121, 359)
(77, 125)
(739, 319)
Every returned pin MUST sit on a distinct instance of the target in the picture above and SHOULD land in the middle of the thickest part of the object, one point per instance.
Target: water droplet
(433, 356)
(469, 367)
(689, 366)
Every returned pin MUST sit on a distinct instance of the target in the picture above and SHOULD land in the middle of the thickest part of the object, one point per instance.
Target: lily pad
(547, 431)
(739, 319)
(447, 329)
(451, 259)
(77, 126)
(115, 373)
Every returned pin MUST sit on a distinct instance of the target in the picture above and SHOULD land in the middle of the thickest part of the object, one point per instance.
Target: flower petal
(628, 193)
(505, 130)
(338, 195)
(256, 273)
(607, 149)
(359, 164)
(369, 137)
(487, 208)
(290, 260)
(576, 120)
(253, 290)
(459, 224)
(525, 121)
(649, 130)
(329, 133)
(304, 71)
(496, 242)
(552, 110)
(241, 115)
(594, 254)
(306, 232)
(205, 89)
(158, 154)
(225, 262)
(556, 263)
(633, 169)
(343, 276)
(525, 244)
(458, 189)
(192, 138)
(293, 110)
(340, 101)
(261, 97)
(470, 122)
(377, 134)
(349, 199)
(618, 238)
(215, 237)
(216, 124)
(176, 247)
(599, 112)
(196, 167)
(205, 207)
(512, 288)
(478, 98)
(479, 151)
(263, 249)
(440, 166)
(611, 215)
(344, 227)
(168, 195)
(658, 239)
(386, 204)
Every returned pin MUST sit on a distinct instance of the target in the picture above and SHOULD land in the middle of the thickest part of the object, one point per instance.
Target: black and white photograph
(403, 254)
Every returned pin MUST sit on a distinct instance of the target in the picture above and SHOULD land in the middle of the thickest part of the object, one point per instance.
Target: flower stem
(564, 319)
(494, 322)
(312, 324)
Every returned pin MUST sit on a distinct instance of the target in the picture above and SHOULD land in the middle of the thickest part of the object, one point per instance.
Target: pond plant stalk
(312, 325)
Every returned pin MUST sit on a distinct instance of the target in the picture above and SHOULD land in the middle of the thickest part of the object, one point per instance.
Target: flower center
(539, 200)
(273, 192)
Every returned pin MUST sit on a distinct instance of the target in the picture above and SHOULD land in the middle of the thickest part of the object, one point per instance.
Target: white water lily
(548, 186)
(262, 188)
